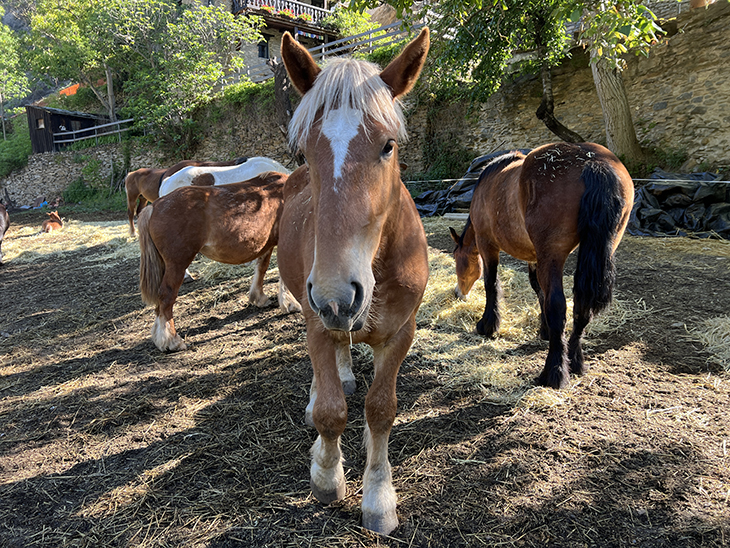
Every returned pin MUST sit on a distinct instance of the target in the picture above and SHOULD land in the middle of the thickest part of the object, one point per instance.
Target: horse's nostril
(359, 295)
(312, 304)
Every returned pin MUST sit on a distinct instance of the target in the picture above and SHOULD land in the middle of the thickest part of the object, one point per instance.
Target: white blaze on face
(340, 126)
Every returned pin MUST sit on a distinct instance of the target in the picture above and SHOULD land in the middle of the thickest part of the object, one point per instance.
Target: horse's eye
(388, 148)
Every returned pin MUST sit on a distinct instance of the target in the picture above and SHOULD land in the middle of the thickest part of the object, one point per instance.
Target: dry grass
(714, 333)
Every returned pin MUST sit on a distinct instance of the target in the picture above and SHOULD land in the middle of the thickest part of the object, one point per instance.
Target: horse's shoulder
(296, 182)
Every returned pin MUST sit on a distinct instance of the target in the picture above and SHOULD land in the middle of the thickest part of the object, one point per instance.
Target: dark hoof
(577, 363)
(380, 523)
(488, 331)
(349, 387)
(554, 379)
(326, 497)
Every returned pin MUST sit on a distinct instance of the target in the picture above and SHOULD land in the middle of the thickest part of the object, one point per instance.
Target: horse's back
(232, 223)
(554, 183)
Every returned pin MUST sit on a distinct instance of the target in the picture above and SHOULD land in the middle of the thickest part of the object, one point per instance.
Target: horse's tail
(599, 218)
(151, 265)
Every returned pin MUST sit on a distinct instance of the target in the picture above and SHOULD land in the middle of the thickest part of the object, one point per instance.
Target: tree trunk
(620, 132)
(545, 111)
(110, 94)
(282, 103)
(2, 116)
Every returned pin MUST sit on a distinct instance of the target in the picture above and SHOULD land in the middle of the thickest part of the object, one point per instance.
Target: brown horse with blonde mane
(539, 208)
(231, 224)
(54, 222)
(352, 249)
(143, 185)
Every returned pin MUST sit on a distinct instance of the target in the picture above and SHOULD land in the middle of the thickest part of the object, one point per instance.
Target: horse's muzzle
(348, 312)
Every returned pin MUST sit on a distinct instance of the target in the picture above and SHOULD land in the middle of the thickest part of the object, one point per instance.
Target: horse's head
(53, 216)
(467, 259)
(348, 126)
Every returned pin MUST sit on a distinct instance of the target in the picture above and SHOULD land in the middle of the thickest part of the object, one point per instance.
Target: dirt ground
(105, 441)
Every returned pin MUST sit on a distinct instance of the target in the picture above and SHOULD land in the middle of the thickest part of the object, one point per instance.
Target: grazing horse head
(348, 126)
(469, 266)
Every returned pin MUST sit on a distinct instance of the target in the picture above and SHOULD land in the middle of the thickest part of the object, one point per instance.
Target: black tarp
(681, 204)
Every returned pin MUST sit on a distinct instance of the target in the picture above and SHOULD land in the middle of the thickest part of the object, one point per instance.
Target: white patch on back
(340, 127)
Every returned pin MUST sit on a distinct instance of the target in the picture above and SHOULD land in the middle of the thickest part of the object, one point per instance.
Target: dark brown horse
(231, 224)
(539, 208)
(4, 224)
(143, 185)
(353, 251)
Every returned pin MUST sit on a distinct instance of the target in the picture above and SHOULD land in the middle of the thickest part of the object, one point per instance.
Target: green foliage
(80, 197)
(14, 151)
(348, 22)
(383, 56)
(247, 92)
(665, 159)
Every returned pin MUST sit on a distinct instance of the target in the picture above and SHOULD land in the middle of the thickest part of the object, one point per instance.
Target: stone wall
(680, 95)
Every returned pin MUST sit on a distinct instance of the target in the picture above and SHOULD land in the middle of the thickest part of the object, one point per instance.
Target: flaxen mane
(352, 83)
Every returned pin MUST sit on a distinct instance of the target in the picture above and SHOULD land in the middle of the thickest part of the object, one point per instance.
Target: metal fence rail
(74, 136)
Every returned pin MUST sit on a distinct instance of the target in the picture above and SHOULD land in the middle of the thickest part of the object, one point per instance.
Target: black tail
(601, 208)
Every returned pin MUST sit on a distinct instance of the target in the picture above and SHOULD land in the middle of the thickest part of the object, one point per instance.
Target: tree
(165, 57)
(487, 39)
(174, 58)
(13, 82)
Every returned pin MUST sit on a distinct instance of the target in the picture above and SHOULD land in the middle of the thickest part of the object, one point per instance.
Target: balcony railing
(284, 8)
(363, 43)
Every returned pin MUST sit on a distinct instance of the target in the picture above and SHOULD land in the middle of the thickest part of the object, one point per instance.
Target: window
(40, 123)
(264, 47)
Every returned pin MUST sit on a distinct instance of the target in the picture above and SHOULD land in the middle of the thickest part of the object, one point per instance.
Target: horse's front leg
(379, 498)
(344, 371)
(489, 324)
(329, 416)
(555, 373)
(256, 295)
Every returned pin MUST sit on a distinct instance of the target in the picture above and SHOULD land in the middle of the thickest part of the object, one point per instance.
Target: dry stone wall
(680, 95)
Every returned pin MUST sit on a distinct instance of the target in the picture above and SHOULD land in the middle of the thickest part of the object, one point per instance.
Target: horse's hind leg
(581, 316)
(489, 324)
(163, 331)
(555, 373)
(256, 295)
(347, 378)
(532, 274)
(287, 301)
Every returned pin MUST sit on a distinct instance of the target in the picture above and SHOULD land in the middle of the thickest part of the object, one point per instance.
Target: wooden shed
(43, 122)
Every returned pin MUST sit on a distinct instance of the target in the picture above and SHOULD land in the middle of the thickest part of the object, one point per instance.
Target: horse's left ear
(299, 64)
(403, 71)
(454, 235)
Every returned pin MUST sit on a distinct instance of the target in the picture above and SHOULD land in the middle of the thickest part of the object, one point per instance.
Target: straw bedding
(104, 441)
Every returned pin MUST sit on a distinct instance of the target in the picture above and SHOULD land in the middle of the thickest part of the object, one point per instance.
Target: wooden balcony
(283, 12)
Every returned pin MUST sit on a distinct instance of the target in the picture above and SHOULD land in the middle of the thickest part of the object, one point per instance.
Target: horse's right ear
(299, 64)
(454, 235)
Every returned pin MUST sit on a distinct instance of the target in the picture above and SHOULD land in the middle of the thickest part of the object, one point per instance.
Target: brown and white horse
(143, 185)
(53, 222)
(231, 224)
(220, 175)
(353, 251)
(539, 208)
